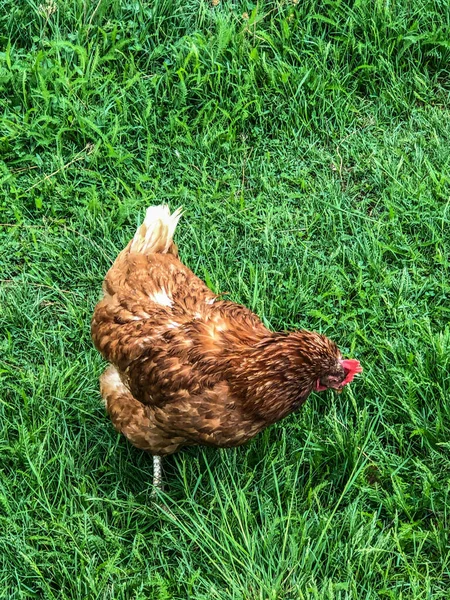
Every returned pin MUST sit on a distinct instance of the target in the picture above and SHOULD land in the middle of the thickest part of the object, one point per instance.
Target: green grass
(310, 146)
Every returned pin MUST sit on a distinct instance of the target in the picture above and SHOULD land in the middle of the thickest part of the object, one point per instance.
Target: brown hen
(187, 367)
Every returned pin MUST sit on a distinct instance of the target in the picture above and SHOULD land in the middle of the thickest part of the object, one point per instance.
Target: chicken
(187, 367)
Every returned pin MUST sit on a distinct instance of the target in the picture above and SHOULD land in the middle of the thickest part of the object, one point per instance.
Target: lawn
(309, 143)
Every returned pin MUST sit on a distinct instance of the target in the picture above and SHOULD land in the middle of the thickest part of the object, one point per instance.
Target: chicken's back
(170, 340)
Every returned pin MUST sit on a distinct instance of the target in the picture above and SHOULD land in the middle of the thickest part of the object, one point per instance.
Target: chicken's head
(319, 362)
(338, 375)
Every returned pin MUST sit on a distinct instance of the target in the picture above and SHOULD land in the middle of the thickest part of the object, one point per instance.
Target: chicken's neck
(273, 377)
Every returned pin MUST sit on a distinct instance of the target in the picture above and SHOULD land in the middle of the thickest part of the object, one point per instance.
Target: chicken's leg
(157, 474)
(130, 417)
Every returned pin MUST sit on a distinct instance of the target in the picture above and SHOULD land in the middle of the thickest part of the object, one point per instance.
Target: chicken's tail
(156, 232)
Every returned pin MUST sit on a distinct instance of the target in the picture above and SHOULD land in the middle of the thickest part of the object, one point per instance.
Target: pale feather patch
(112, 378)
(111, 382)
(216, 328)
(145, 341)
(161, 297)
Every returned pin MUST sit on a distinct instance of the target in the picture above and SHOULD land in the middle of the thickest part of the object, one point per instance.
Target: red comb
(352, 367)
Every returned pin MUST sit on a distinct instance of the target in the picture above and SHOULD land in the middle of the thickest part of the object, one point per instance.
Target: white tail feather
(156, 232)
